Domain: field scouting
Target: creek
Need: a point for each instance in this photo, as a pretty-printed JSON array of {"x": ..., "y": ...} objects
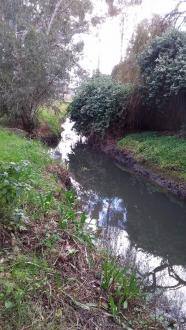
[{"x": 133, "y": 219}]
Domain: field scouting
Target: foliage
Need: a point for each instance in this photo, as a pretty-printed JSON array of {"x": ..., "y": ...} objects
[
  {"x": 33, "y": 281},
  {"x": 122, "y": 286},
  {"x": 22, "y": 166},
  {"x": 167, "y": 153},
  {"x": 51, "y": 116},
  {"x": 69, "y": 218},
  {"x": 100, "y": 105},
  {"x": 163, "y": 68},
  {"x": 13, "y": 183},
  {"x": 37, "y": 53},
  {"x": 115, "y": 7},
  {"x": 128, "y": 71}
]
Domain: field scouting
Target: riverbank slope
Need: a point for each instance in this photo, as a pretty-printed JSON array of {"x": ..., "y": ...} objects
[
  {"x": 47, "y": 128},
  {"x": 51, "y": 276}
]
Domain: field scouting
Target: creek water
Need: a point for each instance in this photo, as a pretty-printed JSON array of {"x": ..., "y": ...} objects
[{"x": 134, "y": 218}]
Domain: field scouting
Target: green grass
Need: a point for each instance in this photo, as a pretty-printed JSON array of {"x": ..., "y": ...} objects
[
  {"x": 25, "y": 188},
  {"x": 165, "y": 153},
  {"x": 52, "y": 116},
  {"x": 15, "y": 148}
]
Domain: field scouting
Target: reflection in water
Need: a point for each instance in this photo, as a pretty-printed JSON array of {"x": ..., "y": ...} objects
[
  {"x": 137, "y": 220},
  {"x": 153, "y": 221}
]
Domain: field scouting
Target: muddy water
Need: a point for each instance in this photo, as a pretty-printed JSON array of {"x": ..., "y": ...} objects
[{"x": 134, "y": 218}]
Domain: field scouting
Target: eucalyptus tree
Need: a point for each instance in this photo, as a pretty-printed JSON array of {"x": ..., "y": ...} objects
[
  {"x": 117, "y": 6},
  {"x": 120, "y": 8},
  {"x": 38, "y": 49},
  {"x": 128, "y": 70}
]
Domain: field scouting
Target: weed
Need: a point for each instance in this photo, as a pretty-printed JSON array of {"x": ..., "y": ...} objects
[
  {"x": 70, "y": 219},
  {"x": 13, "y": 183},
  {"x": 122, "y": 287},
  {"x": 27, "y": 277},
  {"x": 46, "y": 202},
  {"x": 51, "y": 240}
]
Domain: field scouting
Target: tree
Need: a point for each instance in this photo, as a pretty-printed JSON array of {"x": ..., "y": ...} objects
[
  {"x": 163, "y": 68},
  {"x": 177, "y": 16},
  {"x": 117, "y": 6},
  {"x": 128, "y": 70},
  {"x": 37, "y": 50}
]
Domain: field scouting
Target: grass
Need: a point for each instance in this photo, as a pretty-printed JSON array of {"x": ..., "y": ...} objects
[
  {"x": 51, "y": 276},
  {"x": 52, "y": 116},
  {"x": 15, "y": 148},
  {"x": 164, "y": 153}
]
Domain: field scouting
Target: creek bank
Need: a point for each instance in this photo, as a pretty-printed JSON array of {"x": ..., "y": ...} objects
[
  {"x": 46, "y": 136},
  {"x": 50, "y": 273},
  {"x": 126, "y": 159},
  {"x": 47, "y": 127}
]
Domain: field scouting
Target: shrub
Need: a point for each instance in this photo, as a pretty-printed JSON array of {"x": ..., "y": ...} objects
[
  {"x": 100, "y": 106},
  {"x": 163, "y": 68}
]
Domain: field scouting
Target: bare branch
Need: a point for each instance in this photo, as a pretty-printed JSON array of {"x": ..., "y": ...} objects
[{"x": 58, "y": 4}]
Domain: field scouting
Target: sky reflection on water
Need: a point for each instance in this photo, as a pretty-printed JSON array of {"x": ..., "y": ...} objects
[{"x": 135, "y": 219}]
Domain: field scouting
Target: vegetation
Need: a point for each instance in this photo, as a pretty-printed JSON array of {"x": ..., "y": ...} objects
[
  {"x": 165, "y": 153},
  {"x": 46, "y": 254},
  {"x": 163, "y": 68},
  {"x": 52, "y": 116},
  {"x": 51, "y": 276},
  {"x": 37, "y": 53},
  {"x": 128, "y": 71},
  {"x": 99, "y": 106},
  {"x": 50, "y": 119},
  {"x": 152, "y": 95},
  {"x": 122, "y": 287}
]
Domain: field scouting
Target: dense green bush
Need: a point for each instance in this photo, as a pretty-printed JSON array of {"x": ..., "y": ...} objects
[
  {"x": 100, "y": 106},
  {"x": 163, "y": 68}
]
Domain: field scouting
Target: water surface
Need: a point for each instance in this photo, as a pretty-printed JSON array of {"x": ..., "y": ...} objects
[{"x": 135, "y": 218}]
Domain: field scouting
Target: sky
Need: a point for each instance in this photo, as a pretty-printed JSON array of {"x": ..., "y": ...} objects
[{"x": 106, "y": 49}]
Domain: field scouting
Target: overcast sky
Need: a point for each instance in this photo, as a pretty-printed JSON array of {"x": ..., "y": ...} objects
[{"x": 108, "y": 46}]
